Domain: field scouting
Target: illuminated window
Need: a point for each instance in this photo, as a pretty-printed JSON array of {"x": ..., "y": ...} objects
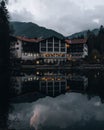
[
  {"x": 37, "y": 62},
  {"x": 25, "y": 54}
]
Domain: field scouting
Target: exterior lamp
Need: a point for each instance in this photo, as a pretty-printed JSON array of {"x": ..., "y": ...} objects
[
  {"x": 95, "y": 57},
  {"x": 67, "y": 45},
  {"x": 37, "y": 62},
  {"x": 37, "y": 72}
]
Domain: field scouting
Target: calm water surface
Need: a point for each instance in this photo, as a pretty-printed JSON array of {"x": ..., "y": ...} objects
[{"x": 57, "y": 100}]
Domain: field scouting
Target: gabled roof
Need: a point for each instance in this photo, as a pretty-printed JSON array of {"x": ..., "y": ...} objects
[
  {"x": 76, "y": 41},
  {"x": 36, "y": 40}
]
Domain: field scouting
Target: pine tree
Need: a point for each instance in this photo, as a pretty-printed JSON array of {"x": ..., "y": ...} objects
[
  {"x": 4, "y": 64},
  {"x": 4, "y": 36},
  {"x": 101, "y": 40},
  {"x": 91, "y": 42}
]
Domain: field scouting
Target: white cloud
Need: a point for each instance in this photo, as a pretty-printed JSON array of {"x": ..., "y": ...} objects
[
  {"x": 65, "y": 16},
  {"x": 96, "y": 21}
]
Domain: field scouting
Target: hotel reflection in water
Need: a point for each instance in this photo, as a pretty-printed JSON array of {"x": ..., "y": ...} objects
[{"x": 49, "y": 83}]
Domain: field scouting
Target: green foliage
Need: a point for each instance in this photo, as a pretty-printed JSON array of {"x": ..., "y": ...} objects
[
  {"x": 32, "y": 30},
  {"x": 95, "y": 54},
  {"x": 96, "y": 42},
  {"x": 83, "y": 34},
  {"x": 4, "y": 34}
]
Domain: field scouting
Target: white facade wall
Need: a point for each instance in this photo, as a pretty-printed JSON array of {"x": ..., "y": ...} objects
[
  {"x": 85, "y": 50},
  {"x": 29, "y": 56},
  {"x": 22, "y": 55},
  {"x": 18, "y": 49}
]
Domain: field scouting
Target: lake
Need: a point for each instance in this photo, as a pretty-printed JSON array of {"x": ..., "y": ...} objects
[{"x": 55, "y": 100}]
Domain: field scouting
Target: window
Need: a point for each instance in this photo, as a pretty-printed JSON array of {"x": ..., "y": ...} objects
[
  {"x": 50, "y": 44},
  {"x": 43, "y": 49},
  {"x": 50, "y": 83},
  {"x": 43, "y": 84},
  {"x": 62, "y": 44},
  {"x": 50, "y": 49},
  {"x": 43, "y": 44},
  {"x": 56, "y": 49},
  {"x": 62, "y": 83},
  {"x": 56, "y": 83},
  {"x": 56, "y": 44},
  {"x": 62, "y": 49}
]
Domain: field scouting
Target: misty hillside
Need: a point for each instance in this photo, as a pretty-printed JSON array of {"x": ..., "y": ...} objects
[
  {"x": 32, "y": 30},
  {"x": 83, "y": 33}
]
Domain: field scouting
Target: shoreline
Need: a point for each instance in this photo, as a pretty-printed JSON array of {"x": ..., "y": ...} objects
[{"x": 70, "y": 67}]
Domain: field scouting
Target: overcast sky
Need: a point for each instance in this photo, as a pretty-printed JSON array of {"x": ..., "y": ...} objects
[{"x": 64, "y": 16}]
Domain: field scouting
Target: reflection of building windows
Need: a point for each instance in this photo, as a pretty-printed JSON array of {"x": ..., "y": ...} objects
[
  {"x": 62, "y": 83},
  {"x": 56, "y": 87},
  {"x": 50, "y": 88},
  {"x": 43, "y": 83},
  {"x": 50, "y": 84},
  {"x": 57, "y": 84}
]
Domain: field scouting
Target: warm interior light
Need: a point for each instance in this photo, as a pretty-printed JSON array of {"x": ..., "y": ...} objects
[
  {"x": 37, "y": 72},
  {"x": 37, "y": 62}
]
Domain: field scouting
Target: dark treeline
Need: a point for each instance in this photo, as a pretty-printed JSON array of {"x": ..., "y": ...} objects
[
  {"x": 96, "y": 44},
  {"x": 4, "y": 64}
]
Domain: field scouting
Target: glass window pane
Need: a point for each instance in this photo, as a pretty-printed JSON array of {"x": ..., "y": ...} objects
[
  {"x": 56, "y": 44},
  {"x": 50, "y": 49},
  {"x": 62, "y": 44},
  {"x": 50, "y": 44},
  {"x": 56, "y": 49},
  {"x": 43, "y": 49},
  {"x": 62, "y": 49},
  {"x": 43, "y": 44}
]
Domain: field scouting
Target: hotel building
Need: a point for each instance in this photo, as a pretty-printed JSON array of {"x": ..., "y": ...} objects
[
  {"x": 52, "y": 50},
  {"x": 25, "y": 48},
  {"x": 77, "y": 48}
]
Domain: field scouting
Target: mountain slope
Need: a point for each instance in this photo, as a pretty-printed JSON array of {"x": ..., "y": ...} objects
[
  {"x": 83, "y": 33},
  {"x": 32, "y": 30}
]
